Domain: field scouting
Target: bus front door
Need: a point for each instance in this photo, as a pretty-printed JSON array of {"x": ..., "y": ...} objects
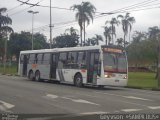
[
  {"x": 53, "y": 66},
  {"x": 25, "y": 59},
  {"x": 92, "y": 67}
]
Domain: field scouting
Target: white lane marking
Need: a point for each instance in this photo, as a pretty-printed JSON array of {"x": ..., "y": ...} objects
[
  {"x": 93, "y": 113},
  {"x": 80, "y": 101},
  {"x": 130, "y": 110},
  {"x": 133, "y": 103},
  {"x": 138, "y": 98},
  {"x": 6, "y": 105},
  {"x": 154, "y": 107},
  {"x": 52, "y": 96},
  {"x": 130, "y": 97}
]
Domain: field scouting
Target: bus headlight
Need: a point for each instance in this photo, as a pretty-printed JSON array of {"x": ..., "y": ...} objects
[
  {"x": 125, "y": 77},
  {"x": 106, "y": 76}
]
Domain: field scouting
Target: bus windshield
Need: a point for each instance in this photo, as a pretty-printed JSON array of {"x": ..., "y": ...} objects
[{"x": 114, "y": 62}]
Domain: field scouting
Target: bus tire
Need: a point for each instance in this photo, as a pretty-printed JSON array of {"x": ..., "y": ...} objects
[
  {"x": 78, "y": 81},
  {"x": 37, "y": 76},
  {"x": 30, "y": 75},
  {"x": 101, "y": 86}
]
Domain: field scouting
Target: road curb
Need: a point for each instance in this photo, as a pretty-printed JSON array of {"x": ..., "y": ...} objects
[
  {"x": 8, "y": 74},
  {"x": 141, "y": 88}
]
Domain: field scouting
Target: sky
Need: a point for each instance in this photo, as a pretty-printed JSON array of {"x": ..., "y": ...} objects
[{"x": 145, "y": 12}]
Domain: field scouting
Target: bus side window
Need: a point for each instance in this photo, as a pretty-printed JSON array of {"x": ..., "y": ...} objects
[
  {"x": 46, "y": 58},
  {"x": 32, "y": 59},
  {"x": 39, "y": 58},
  {"x": 62, "y": 60},
  {"x": 72, "y": 60},
  {"x": 81, "y": 59}
]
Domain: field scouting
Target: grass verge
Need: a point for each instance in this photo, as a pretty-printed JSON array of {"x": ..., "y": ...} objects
[
  {"x": 142, "y": 80},
  {"x": 8, "y": 70}
]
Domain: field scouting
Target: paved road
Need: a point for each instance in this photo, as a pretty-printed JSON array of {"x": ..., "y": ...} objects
[{"x": 19, "y": 95}]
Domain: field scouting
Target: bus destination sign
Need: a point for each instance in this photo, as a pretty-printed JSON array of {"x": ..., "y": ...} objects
[{"x": 112, "y": 50}]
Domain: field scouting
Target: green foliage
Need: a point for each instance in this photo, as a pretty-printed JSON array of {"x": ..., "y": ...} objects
[
  {"x": 40, "y": 42},
  {"x": 2, "y": 41},
  {"x": 22, "y": 41},
  {"x": 66, "y": 40},
  {"x": 4, "y": 22}
]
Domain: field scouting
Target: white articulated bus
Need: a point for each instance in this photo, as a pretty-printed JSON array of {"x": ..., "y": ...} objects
[{"x": 89, "y": 65}]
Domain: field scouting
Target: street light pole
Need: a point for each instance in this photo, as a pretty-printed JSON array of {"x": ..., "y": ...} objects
[
  {"x": 50, "y": 24},
  {"x": 32, "y": 12}
]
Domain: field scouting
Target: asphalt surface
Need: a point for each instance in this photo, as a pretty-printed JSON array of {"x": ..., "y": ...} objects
[{"x": 19, "y": 95}]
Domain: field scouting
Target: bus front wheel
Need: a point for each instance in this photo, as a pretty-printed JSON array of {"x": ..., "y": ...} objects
[{"x": 78, "y": 80}]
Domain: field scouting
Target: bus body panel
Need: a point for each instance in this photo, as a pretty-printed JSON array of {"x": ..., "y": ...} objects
[
  {"x": 43, "y": 69},
  {"x": 67, "y": 75}
]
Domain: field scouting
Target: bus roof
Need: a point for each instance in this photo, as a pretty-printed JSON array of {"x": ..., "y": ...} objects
[
  {"x": 61, "y": 49},
  {"x": 97, "y": 47}
]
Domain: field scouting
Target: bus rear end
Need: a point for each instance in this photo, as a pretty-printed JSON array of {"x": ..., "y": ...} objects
[{"x": 114, "y": 66}]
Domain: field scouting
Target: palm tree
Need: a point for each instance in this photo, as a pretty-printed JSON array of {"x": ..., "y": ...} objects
[
  {"x": 88, "y": 42},
  {"x": 113, "y": 22},
  {"x": 107, "y": 34},
  {"x": 4, "y": 22},
  {"x": 120, "y": 41},
  {"x": 153, "y": 32},
  {"x": 85, "y": 13},
  {"x": 72, "y": 31},
  {"x": 97, "y": 39},
  {"x": 4, "y": 28},
  {"x": 126, "y": 22}
]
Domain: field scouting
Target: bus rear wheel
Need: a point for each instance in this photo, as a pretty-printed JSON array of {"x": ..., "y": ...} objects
[
  {"x": 30, "y": 75},
  {"x": 78, "y": 80},
  {"x": 37, "y": 76}
]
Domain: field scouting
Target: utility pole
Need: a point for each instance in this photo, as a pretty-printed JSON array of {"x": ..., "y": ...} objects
[
  {"x": 33, "y": 13},
  {"x": 50, "y": 24},
  {"x": 159, "y": 61}
]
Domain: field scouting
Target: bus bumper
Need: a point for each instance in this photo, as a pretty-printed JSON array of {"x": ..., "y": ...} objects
[{"x": 112, "y": 82}]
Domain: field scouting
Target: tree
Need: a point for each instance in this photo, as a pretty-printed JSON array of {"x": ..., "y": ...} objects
[
  {"x": 66, "y": 40},
  {"x": 95, "y": 40},
  {"x": 113, "y": 22},
  {"x": 139, "y": 36},
  {"x": 85, "y": 12},
  {"x": 107, "y": 34},
  {"x": 72, "y": 31},
  {"x": 154, "y": 33},
  {"x": 40, "y": 41},
  {"x": 4, "y": 22},
  {"x": 126, "y": 22},
  {"x": 88, "y": 42},
  {"x": 22, "y": 41},
  {"x": 4, "y": 30},
  {"x": 120, "y": 41},
  {"x": 19, "y": 42}
]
